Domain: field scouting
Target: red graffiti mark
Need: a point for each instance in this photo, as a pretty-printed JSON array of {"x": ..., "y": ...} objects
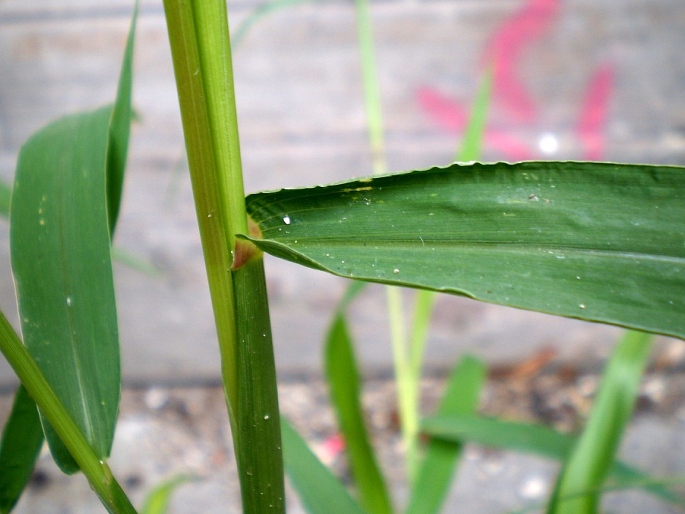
[
  {"x": 504, "y": 51},
  {"x": 451, "y": 116},
  {"x": 447, "y": 114},
  {"x": 511, "y": 146},
  {"x": 594, "y": 113}
]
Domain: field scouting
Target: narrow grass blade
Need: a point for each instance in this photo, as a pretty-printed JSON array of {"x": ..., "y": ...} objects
[
  {"x": 119, "y": 130},
  {"x": 5, "y": 195},
  {"x": 472, "y": 142},
  {"x": 645, "y": 483},
  {"x": 594, "y": 241},
  {"x": 438, "y": 466},
  {"x": 318, "y": 489},
  {"x": 60, "y": 249},
  {"x": 22, "y": 439},
  {"x": 158, "y": 500},
  {"x": 588, "y": 466},
  {"x": 136, "y": 262},
  {"x": 521, "y": 437},
  {"x": 526, "y": 438},
  {"x": 344, "y": 384},
  {"x": 257, "y": 14}
]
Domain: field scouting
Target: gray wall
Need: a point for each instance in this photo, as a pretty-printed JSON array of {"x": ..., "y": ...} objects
[{"x": 302, "y": 122}]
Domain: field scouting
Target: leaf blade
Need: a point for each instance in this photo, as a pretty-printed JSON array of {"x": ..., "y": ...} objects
[
  {"x": 22, "y": 439},
  {"x": 345, "y": 390},
  {"x": 589, "y": 464},
  {"x": 66, "y": 197},
  {"x": 158, "y": 500},
  {"x": 73, "y": 338},
  {"x": 594, "y": 241},
  {"x": 527, "y": 438},
  {"x": 435, "y": 474},
  {"x": 120, "y": 129},
  {"x": 319, "y": 490}
]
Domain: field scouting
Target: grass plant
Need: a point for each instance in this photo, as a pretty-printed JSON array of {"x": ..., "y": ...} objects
[{"x": 555, "y": 237}]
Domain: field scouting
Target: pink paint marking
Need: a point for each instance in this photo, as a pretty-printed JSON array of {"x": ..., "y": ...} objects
[
  {"x": 513, "y": 148},
  {"x": 450, "y": 115},
  {"x": 504, "y": 51},
  {"x": 334, "y": 445},
  {"x": 506, "y": 47},
  {"x": 594, "y": 113},
  {"x": 445, "y": 112}
]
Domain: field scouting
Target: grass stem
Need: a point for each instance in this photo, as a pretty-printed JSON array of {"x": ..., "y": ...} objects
[
  {"x": 201, "y": 51},
  {"x": 96, "y": 471}
]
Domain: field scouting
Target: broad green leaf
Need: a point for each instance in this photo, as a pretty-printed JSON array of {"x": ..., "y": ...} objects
[
  {"x": 157, "y": 501},
  {"x": 22, "y": 439},
  {"x": 595, "y": 241},
  {"x": 60, "y": 250},
  {"x": 590, "y": 462},
  {"x": 318, "y": 489},
  {"x": 438, "y": 466},
  {"x": 526, "y": 438},
  {"x": 344, "y": 383}
]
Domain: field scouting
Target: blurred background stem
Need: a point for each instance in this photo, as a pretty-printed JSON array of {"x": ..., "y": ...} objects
[{"x": 408, "y": 350}]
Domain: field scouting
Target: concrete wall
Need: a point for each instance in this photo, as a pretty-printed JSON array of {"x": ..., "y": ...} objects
[{"x": 302, "y": 122}]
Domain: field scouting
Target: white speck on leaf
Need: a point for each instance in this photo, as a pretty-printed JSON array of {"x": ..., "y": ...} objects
[{"x": 286, "y": 219}]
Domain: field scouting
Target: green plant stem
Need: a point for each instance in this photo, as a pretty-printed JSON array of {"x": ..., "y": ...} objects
[
  {"x": 249, "y": 21},
  {"x": 201, "y": 51},
  {"x": 96, "y": 471},
  {"x": 372, "y": 97},
  {"x": 406, "y": 384},
  {"x": 206, "y": 176},
  {"x": 259, "y": 455},
  {"x": 590, "y": 463}
]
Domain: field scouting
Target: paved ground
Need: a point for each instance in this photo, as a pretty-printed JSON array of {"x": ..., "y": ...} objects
[{"x": 165, "y": 432}]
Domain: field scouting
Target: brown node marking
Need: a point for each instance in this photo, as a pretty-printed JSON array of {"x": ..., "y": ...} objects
[{"x": 246, "y": 250}]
